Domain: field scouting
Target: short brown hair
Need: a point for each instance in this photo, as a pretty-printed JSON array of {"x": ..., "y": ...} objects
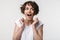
[{"x": 33, "y": 4}]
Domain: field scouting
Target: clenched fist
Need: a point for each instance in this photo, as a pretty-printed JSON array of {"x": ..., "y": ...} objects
[
  {"x": 22, "y": 23},
  {"x": 35, "y": 21}
]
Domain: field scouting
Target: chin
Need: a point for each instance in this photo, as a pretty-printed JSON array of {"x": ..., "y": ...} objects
[{"x": 29, "y": 19}]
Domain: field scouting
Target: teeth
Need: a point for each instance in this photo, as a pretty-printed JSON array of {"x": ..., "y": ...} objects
[{"x": 28, "y": 14}]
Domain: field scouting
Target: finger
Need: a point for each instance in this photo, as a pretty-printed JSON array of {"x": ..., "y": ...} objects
[
  {"x": 36, "y": 19},
  {"x": 21, "y": 20}
]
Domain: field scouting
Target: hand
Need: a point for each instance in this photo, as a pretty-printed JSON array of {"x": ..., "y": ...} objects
[
  {"x": 22, "y": 23},
  {"x": 35, "y": 21}
]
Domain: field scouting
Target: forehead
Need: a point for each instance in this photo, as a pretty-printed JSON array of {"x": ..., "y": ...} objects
[{"x": 28, "y": 5}]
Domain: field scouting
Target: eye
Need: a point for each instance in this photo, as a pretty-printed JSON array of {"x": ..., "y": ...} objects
[
  {"x": 26, "y": 8},
  {"x": 32, "y": 8}
]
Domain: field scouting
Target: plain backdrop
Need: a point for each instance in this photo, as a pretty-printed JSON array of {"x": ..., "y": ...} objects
[{"x": 49, "y": 14}]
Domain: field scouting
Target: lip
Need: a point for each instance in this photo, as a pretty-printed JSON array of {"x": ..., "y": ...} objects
[{"x": 29, "y": 14}]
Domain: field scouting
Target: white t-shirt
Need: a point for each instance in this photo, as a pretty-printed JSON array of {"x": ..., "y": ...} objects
[{"x": 28, "y": 31}]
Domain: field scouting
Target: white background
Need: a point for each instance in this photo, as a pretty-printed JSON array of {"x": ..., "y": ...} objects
[{"x": 49, "y": 14}]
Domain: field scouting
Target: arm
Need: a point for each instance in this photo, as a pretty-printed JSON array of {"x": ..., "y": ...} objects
[
  {"x": 17, "y": 32},
  {"x": 38, "y": 34}
]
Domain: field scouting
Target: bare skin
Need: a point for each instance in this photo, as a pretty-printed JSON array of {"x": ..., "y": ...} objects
[
  {"x": 38, "y": 34},
  {"x": 18, "y": 31}
]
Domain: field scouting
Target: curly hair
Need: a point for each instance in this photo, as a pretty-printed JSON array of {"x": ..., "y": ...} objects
[{"x": 33, "y": 4}]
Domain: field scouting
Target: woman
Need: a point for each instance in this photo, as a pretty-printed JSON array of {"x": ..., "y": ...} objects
[{"x": 29, "y": 29}]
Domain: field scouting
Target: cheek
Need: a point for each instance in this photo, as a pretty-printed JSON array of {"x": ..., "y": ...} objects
[
  {"x": 25, "y": 12},
  {"x": 32, "y": 12}
]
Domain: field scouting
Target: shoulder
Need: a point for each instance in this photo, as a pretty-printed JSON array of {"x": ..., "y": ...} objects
[{"x": 39, "y": 24}]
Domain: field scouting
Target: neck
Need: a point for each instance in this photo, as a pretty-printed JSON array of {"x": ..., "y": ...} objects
[{"x": 28, "y": 22}]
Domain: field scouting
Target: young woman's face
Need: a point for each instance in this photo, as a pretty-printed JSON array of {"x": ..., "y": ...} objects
[{"x": 29, "y": 12}]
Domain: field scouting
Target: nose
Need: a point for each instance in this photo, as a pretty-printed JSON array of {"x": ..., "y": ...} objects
[{"x": 29, "y": 10}]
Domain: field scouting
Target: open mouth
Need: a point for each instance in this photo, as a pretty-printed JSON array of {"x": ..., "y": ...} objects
[{"x": 29, "y": 14}]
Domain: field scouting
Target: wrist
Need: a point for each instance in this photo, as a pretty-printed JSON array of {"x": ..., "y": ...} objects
[{"x": 33, "y": 26}]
